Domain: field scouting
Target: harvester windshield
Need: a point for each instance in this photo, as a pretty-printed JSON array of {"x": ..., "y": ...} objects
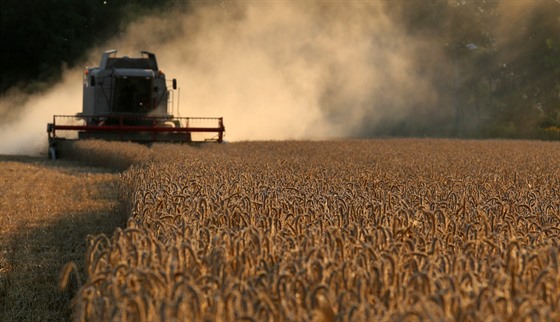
[{"x": 132, "y": 95}]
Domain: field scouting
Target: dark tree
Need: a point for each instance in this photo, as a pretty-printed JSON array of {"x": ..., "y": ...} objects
[{"x": 38, "y": 37}]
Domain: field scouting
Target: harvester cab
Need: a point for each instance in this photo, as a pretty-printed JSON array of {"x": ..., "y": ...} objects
[{"x": 128, "y": 99}]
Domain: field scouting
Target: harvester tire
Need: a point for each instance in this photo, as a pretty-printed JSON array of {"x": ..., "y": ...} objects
[{"x": 52, "y": 153}]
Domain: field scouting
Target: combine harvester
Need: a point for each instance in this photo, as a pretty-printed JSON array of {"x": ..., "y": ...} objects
[{"x": 128, "y": 99}]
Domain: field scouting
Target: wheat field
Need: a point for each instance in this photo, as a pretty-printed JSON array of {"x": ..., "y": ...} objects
[{"x": 350, "y": 230}]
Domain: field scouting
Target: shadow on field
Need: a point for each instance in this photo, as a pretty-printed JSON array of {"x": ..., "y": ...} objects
[
  {"x": 38, "y": 245},
  {"x": 31, "y": 290}
]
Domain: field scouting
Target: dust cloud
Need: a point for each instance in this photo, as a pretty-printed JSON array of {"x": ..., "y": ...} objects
[
  {"x": 287, "y": 69},
  {"x": 25, "y": 132},
  {"x": 274, "y": 70}
]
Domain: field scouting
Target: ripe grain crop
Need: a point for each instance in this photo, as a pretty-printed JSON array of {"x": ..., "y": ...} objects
[{"x": 352, "y": 230}]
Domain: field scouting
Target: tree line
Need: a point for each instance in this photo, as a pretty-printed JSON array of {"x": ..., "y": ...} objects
[
  {"x": 505, "y": 61},
  {"x": 39, "y": 37}
]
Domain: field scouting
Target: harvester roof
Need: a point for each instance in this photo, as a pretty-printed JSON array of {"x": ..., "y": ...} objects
[
  {"x": 110, "y": 61},
  {"x": 130, "y": 63}
]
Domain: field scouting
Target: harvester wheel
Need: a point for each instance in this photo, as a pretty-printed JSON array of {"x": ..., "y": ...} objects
[{"x": 52, "y": 153}]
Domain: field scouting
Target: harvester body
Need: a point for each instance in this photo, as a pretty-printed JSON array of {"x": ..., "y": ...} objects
[
  {"x": 128, "y": 99},
  {"x": 125, "y": 86}
]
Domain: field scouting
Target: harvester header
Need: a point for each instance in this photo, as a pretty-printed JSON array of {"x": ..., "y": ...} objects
[{"x": 128, "y": 99}]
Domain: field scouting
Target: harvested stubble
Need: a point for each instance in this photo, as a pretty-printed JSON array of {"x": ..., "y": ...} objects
[
  {"x": 46, "y": 211},
  {"x": 113, "y": 155},
  {"x": 380, "y": 230}
]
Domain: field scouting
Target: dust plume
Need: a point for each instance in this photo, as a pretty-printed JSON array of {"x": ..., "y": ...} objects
[
  {"x": 291, "y": 70},
  {"x": 23, "y": 123},
  {"x": 273, "y": 70}
]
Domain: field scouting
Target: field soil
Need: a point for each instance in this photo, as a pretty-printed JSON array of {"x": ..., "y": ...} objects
[{"x": 47, "y": 211}]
